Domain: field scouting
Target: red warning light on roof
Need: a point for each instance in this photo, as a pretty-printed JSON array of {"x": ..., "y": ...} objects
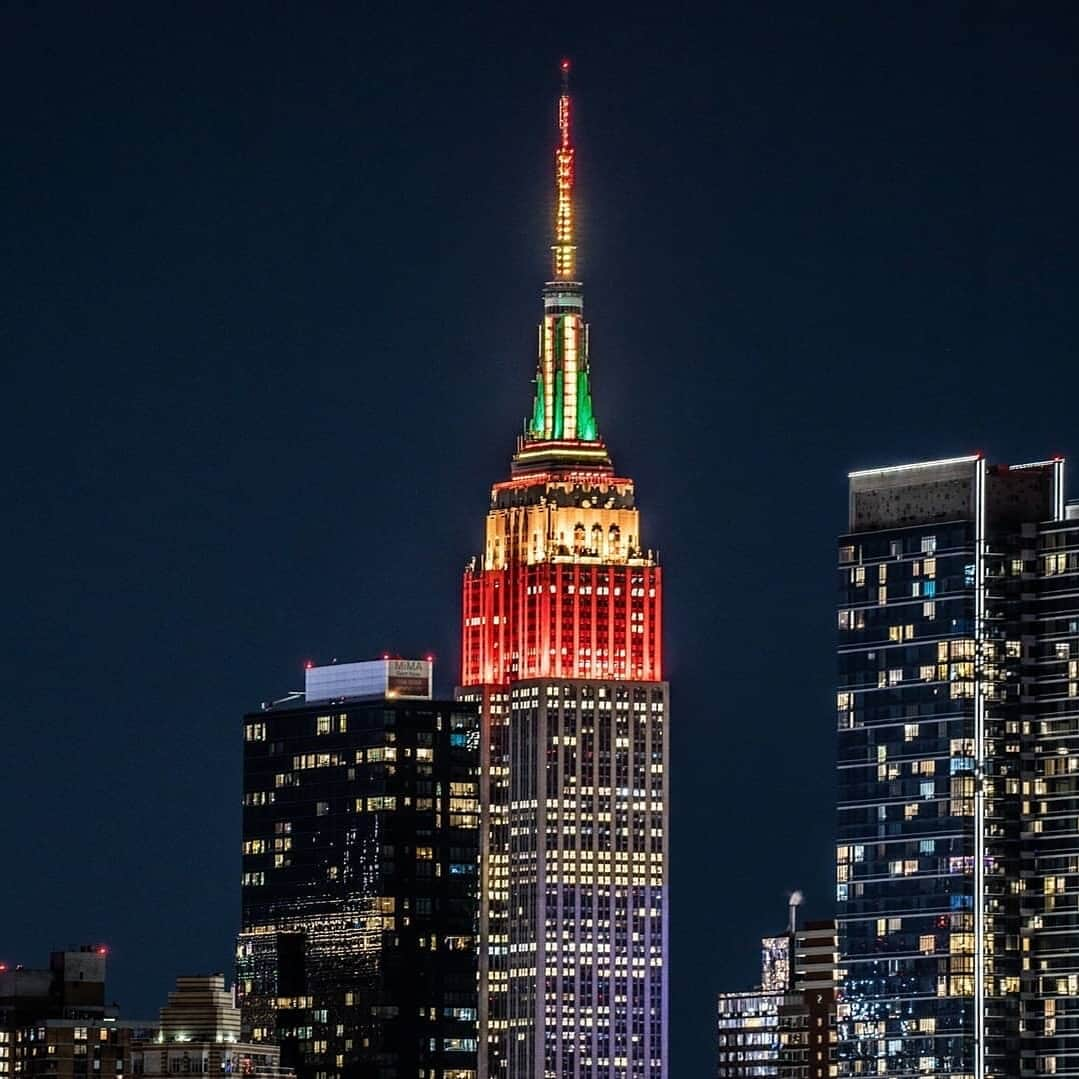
[
  {"x": 308, "y": 664},
  {"x": 102, "y": 950},
  {"x": 430, "y": 657},
  {"x": 565, "y": 65}
]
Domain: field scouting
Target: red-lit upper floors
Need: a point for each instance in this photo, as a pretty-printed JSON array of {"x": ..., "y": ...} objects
[{"x": 563, "y": 618}]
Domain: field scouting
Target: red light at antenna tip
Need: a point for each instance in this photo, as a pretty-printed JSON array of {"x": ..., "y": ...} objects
[{"x": 565, "y": 65}]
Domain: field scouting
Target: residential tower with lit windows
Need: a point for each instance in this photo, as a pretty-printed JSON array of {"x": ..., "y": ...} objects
[
  {"x": 958, "y": 815},
  {"x": 562, "y": 650},
  {"x": 357, "y": 952}
]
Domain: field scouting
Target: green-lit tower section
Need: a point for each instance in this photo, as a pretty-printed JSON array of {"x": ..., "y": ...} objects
[{"x": 562, "y": 409}]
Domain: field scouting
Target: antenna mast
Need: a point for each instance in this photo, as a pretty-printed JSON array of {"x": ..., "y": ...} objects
[{"x": 564, "y": 247}]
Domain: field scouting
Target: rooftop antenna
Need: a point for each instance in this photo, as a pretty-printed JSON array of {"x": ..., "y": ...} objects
[
  {"x": 793, "y": 904},
  {"x": 564, "y": 247}
]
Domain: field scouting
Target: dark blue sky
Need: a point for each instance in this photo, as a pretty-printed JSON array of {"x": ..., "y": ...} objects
[{"x": 270, "y": 282}]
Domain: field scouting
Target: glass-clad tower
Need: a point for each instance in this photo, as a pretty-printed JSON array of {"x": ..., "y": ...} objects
[
  {"x": 357, "y": 950},
  {"x": 958, "y": 840},
  {"x": 562, "y": 649},
  {"x": 1051, "y": 809}
]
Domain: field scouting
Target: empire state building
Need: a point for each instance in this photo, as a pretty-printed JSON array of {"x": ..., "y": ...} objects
[{"x": 562, "y": 648}]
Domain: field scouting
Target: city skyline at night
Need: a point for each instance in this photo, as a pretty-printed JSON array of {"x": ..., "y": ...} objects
[{"x": 270, "y": 322}]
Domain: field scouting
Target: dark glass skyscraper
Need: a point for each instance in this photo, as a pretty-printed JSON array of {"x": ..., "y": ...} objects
[
  {"x": 958, "y": 834},
  {"x": 360, "y": 863}
]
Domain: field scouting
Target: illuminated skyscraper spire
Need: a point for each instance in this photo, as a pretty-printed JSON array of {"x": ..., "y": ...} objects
[
  {"x": 562, "y": 649},
  {"x": 565, "y": 251},
  {"x": 562, "y": 407}
]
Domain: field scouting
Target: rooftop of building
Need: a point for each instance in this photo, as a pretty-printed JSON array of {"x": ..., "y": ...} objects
[
  {"x": 200, "y": 1009},
  {"x": 69, "y": 993},
  {"x": 967, "y": 488},
  {"x": 387, "y": 678}
]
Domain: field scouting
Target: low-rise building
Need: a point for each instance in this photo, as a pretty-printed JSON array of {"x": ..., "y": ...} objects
[
  {"x": 55, "y": 1023},
  {"x": 200, "y": 1035}
]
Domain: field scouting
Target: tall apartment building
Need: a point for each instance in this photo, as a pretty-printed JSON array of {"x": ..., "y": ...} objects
[
  {"x": 357, "y": 952},
  {"x": 55, "y": 1022},
  {"x": 786, "y": 1026},
  {"x": 958, "y": 816},
  {"x": 562, "y": 651}
]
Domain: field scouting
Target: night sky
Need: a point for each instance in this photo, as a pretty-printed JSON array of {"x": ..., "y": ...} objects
[{"x": 270, "y": 281}]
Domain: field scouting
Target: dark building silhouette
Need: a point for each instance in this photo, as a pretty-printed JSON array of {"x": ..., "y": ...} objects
[
  {"x": 357, "y": 952},
  {"x": 55, "y": 1023}
]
